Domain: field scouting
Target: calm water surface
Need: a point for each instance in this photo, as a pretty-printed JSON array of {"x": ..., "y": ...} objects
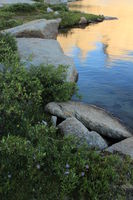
[{"x": 103, "y": 55}]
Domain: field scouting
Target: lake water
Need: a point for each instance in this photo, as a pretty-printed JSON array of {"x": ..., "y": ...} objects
[{"x": 103, "y": 55}]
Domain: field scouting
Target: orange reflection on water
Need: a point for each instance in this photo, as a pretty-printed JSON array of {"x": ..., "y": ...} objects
[{"x": 116, "y": 35}]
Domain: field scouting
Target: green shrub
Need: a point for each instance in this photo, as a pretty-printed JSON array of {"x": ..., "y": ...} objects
[
  {"x": 53, "y": 80},
  {"x": 20, "y": 7},
  {"x": 5, "y": 24},
  {"x": 6, "y": 15},
  {"x": 30, "y": 167},
  {"x": 72, "y": 18},
  {"x": 8, "y": 50},
  {"x": 24, "y": 92}
]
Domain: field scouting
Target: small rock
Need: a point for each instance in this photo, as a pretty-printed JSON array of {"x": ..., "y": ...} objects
[
  {"x": 53, "y": 2},
  {"x": 54, "y": 120},
  {"x": 49, "y": 10},
  {"x": 124, "y": 147},
  {"x": 83, "y": 20},
  {"x": 71, "y": 126}
]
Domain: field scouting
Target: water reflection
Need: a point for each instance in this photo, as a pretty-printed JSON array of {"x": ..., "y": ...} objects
[
  {"x": 117, "y": 36},
  {"x": 103, "y": 54}
]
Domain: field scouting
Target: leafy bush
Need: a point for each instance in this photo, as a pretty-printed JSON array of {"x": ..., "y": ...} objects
[
  {"x": 19, "y": 7},
  {"x": 55, "y": 87},
  {"x": 30, "y": 167},
  {"x": 8, "y": 50},
  {"x": 25, "y": 92}
]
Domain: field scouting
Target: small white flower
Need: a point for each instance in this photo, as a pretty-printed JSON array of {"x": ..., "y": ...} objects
[
  {"x": 87, "y": 167},
  {"x": 38, "y": 166},
  {"x": 45, "y": 123},
  {"x": 67, "y": 166},
  {"x": 82, "y": 173},
  {"x": 9, "y": 176},
  {"x": 66, "y": 173}
]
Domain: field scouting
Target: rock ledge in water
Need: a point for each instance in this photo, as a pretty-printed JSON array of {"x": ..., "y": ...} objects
[
  {"x": 72, "y": 126},
  {"x": 94, "y": 118}
]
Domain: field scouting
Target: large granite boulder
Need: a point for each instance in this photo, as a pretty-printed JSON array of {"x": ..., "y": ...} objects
[
  {"x": 41, "y": 28},
  {"x": 94, "y": 118},
  {"x": 72, "y": 126},
  {"x": 4, "y": 2},
  {"x": 124, "y": 147},
  {"x": 43, "y": 51}
]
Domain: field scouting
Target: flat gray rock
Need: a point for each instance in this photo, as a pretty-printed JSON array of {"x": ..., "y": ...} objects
[
  {"x": 110, "y": 18},
  {"x": 124, "y": 147},
  {"x": 42, "y": 28},
  {"x": 36, "y": 51},
  {"x": 52, "y": 2},
  {"x": 72, "y": 126},
  {"x": 94, "y": 118},
  {"x": 4, "y": 2}
]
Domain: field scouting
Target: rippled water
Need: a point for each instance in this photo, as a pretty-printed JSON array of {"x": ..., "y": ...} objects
[{"x": 103, "y": 55}]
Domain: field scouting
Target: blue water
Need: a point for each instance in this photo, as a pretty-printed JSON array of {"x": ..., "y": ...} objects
[
  {"x": 110, "y": 88},
  {"x": 103, "y": 56}
]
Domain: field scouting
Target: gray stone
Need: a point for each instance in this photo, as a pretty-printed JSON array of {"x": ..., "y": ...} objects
[
  {"x": 54, "y": 120},
  {"x": 83, "y": 20},
  {"x": 124, "y": 147},
  {"x": 42, "y": 28},
  {"x": 4, "y": 2},
  {"x": 43, "y": 51},
  {"x": 94, "y": 118},
  {"x": 110, "y": 18},
  {"x": 52, "y": 2},
  {"x": 72, "y": 126}
]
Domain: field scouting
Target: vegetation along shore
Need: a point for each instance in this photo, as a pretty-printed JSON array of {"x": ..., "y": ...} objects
[{"x": 52, "y": 147}]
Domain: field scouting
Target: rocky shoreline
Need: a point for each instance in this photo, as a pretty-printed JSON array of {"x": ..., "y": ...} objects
[
  {"x": 37, "y": 44},
  {"x": 93, "y": 125}
]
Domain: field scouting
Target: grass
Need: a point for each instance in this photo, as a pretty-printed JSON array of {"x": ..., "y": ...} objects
[{"x": 16, "y": 14}]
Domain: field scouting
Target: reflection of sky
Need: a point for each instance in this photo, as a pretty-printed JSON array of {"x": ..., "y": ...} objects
[
  {"x": 111, "y": 88},
  {"x": 103, "y": 55},
  {"x": 116, "y": 35}
]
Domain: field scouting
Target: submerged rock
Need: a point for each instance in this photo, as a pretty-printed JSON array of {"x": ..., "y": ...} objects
[
  {"x": 94, "y": 118},
  {"x": 42, "y": 28},
  {"x": 36, "y": 51},
  {"x": 72, "y": 126},
  {"x": 124, "y": 147}
]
